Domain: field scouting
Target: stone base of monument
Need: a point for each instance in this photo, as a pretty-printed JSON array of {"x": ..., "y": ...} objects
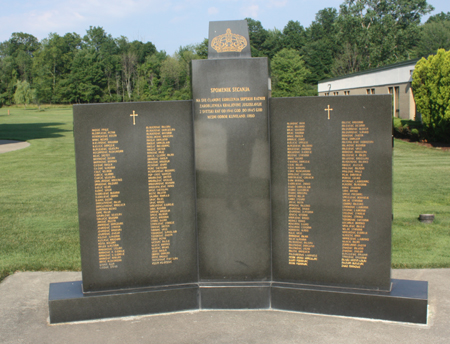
[
  {"x": 67, "y": 302},
  {"x": 235, "y": 295},
  {"x": 406, "y": 302}
]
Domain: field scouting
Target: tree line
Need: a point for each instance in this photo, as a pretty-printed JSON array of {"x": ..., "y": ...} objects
[{"x": 361, "y": 35}]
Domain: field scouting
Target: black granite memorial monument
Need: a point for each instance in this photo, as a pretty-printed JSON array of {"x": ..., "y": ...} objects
[{"x": 235, "y": 200}]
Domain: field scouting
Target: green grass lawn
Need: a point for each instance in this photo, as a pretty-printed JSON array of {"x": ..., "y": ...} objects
[
  {"x": 421, "y": 186},
  {"x": 38, "y": 210}
]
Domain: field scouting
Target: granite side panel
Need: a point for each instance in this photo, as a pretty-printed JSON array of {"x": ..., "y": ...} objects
[
  {"x": 331, "y": 167},
  {"x": 136, "y": 194}
]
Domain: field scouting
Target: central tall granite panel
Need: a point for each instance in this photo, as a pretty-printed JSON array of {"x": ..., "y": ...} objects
[
  {"x": 233, "y": 176},
  {"x": 232, "y": 169}
]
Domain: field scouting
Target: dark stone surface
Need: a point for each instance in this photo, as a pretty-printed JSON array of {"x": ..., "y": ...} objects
[
  {"x": 220, "y": 251},
  {"x": 407, "y": 302},
  {"x": 232, "y": 170},
  {"x": 136, "y": 269},
  {"x": 68, "y": 303},
  {"x": 325, "y": 193},
  {"x": 237, "y": 296},
  {"x": 237, "y": 27}
]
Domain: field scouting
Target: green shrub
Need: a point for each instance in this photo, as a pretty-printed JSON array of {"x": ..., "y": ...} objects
[
  {"x": 431, "y": 85},
  {"x": 415, "y": 135},
  {"x": 407, "y": 129},
  {"x": 397, "y": 122}
]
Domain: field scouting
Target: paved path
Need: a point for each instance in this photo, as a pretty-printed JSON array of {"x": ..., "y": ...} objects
[
  {"x": 10, "y": 145},
  {"x": 24, "y": 319}
]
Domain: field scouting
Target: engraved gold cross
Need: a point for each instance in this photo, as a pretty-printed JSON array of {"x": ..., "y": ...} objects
[
  {"x": 134, "y": 117},
  {"x": 328, "y": 109}
]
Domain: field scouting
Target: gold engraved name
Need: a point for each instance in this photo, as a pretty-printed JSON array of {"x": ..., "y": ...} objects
[
  {"x": 107, "y": 200},
  {"x": 160, "y": 180},
  {"x": 354, "y": 235},
  {"x": 299, "y": 183},
  {"x": 229, "y": 42}
]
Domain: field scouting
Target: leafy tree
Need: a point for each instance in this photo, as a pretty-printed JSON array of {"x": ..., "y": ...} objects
[
  {"x": 440, "y": 17},
  {"x": 132, "y": 56},
  {"x": 142, "y": 50},
  {"x": 104, "y": 44},
  {"x": 320, "y": 46},
  {"x": 150, "y": 75},
  {"x": 324, "y": 25},
  {"x": 273, "y": 43},
  {"x": 379, "y": 32},
  {"x": 8, "y": 79},
  {"x": 431, "y": 85},
  {"x": 257, "y": 35},
  {"x": 171, "y": 70},
  {"x": 129, "y": 69},
  {"x": 364, "y": 34},
  {"x": 16, "y": 56},
  {"x": 21, "y": 46},
  {"x": 348, "y": 61},
  {"x": 319, "y": 58},
  {"x": 294, "y": 36},
  {"x": 24, "y": 94},
  {"x": 111, "y": 67},
  {"x": 434, "y": 35},
  {"x": 52, "y": 66},
  {"x": 185, "y": 55},
  {"x": 95, "y": 38},
  {"x": 201, "y": 49},
  {"x": 86, "y": 80},
  {"x": 289, "y": 74}
]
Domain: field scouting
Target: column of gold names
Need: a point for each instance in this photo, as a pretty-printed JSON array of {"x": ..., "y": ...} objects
[
  {"x": 104, "y": 149},
  {"x": 159, "y": 182},
  {"x": 354, "y": 157},
  {"x": 231, "y": 107},
  {"x": 298, "y": 150}
]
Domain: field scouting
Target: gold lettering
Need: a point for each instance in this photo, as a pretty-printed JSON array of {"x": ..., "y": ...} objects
[
  {"x": 108, "y": 227},
  {"x": 159, "y": 181},
  {"x": 225, "y": 107},
  {"x": 353, "y": 208},
  {"x": 298, "y": 149}
]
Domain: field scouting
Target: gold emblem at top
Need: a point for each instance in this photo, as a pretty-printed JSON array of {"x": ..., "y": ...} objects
[{"x": 228, "y": 42}]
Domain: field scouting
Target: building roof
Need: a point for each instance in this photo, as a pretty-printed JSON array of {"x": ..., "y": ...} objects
[{"x": 397, "y": 73}]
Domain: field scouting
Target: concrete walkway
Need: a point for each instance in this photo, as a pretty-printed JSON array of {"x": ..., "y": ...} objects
[
  {"x": 24, "y": 319},
  {"x": 10, "y": 145}
]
